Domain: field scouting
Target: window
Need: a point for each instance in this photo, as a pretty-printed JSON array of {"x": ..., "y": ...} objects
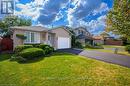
[
  {"x": 7, "y": 7},
  {"x": 79, "y": 32},
  {"x": 82, "y": 32},
  {"x": 27, "y": 34},
  {"x": 49, "y": 37},
  {"x": 32, "y": 37}
]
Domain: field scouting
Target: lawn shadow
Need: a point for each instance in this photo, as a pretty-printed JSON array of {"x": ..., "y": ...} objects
[
  {"x": 31, "y": 60},
  {"x": 5, "y": 56},
  {"x": 34, "y": 60},
  {"x": 71, "y": 50}
]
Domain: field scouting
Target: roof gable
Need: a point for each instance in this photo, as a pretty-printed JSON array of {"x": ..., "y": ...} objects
[{"x": 61, "y": 28}]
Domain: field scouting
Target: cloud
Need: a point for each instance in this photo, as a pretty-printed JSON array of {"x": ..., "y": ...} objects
[
  {"x": 95, "y": 26},
  {"x": 103, "y": 8},
  {"x": 50, "y": 11},
  {"x": 45, "y": 12},
  {"x": 59, "y": 16},
  {"x": 31, "y": 10},
  {"x": 85, "y": 7},
  {"x": 82, "y": 9}
]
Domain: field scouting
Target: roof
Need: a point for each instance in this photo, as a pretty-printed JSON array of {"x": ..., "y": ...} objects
[
  {"x": 32, "y": 28},
  {"x": 62, "y": 27},
  {"x": 81, "y": 28},
  {"x": 83, "y": 37},
  {"x": 98, "y": 38}
]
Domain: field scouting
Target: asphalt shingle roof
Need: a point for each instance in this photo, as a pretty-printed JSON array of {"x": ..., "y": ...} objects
[{"x": 32, "y": 28}]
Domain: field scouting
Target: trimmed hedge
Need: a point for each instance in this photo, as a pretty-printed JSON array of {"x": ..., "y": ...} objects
[
  {"x": 19, "y": 48},
  {"x": 48, "y": 49},
  {"x": 21, "y": 36},
  {"x": 34, "y": 45},
  {"x": 98, "y": 46},
  {"x": 31, "y": 53},
  {"x": 127, "y": 48}
]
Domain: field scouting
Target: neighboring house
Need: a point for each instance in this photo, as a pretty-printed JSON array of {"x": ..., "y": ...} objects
[
  {"x": 83, "y": 35},
  {"x": 112, "y": 41},
  {"x": 98, "y": 40},
  {"x": 59, "y": 38}
]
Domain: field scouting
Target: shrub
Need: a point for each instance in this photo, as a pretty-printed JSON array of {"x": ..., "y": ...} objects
[
  {"x": 88, "y": 45},
  {"x": 78, "y": 45},
  {"x": 97, "y": 46},
  {"x": 127, "y": 48},
  {"x": 31, "y": 53},
  {"x": 48, "y": 49},
  {"x": 34, "y": 45},
  {"x": 19, "y": 48}
]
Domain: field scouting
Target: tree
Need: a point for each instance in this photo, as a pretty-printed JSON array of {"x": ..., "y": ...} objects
[
  {"x": 11, "y": 21},
  {"x": 16, "y": 21},
  {"x": 118, "y": 19}
]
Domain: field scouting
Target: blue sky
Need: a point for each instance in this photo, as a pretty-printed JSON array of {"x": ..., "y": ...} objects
[{"x": 74, "y": 13}]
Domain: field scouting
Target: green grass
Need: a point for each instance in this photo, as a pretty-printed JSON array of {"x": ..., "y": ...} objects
[
  {"x": 112, "y": 46},
  {"x": 62, "y": 69}
]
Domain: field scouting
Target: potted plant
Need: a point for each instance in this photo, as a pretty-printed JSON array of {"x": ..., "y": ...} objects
[{"x": 21, "y": 36}]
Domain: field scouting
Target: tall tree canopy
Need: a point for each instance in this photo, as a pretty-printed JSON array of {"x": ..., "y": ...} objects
[
  {"x": 118, "y": 19},
  {"x": 11, "y": 21}
]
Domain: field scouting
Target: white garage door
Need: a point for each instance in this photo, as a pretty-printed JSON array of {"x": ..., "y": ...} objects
[{"x": 63, "y": 42}]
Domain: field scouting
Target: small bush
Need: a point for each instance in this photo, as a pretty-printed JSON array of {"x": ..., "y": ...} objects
[
  {"x": 97, "y": 46},
  {"x": 78, "y": 45},
  {"x": 127, "y": 48},
  {"x": 48, "y": 49},
  {"x": 19, "y": 48},
  {"x": 31, "y": 53},
  {"x": 88, "y": 46},
  {"x": 34, "y": 45},
  {"x": 21, "y": 36}
]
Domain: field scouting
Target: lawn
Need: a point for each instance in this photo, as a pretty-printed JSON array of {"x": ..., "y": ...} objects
[
  {"x": 110, "y": 49},
  {"x": 62, "y": 69}
]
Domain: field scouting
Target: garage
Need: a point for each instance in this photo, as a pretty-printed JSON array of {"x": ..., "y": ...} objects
[{"x": 63, "y": 42}]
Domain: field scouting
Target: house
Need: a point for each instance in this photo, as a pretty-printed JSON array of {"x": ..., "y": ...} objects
[
  {"x": 83, "y": 35},
  {"x": 98, "y": 40},
  {"x": 59, "y": 38}
]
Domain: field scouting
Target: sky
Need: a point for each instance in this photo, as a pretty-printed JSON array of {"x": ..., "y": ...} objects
[{"x": 73, "y": 13}]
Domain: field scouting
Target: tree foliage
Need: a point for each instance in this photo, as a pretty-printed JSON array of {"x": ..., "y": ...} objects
[
  {"x": 11, "y": 21},
  {"x": 118, "y": 19}
]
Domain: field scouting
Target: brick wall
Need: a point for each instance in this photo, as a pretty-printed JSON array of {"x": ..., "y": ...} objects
[{"x": 113, "y": 42}]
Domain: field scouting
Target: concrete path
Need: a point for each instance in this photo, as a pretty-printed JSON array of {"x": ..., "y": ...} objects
[{"x": 106, "y": 57}]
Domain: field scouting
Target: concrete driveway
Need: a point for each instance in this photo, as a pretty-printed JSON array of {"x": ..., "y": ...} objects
[{"x": 102, "y": 56}]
